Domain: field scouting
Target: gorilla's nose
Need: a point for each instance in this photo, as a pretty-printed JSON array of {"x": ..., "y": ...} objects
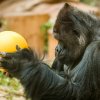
[{"x": 58, "y": 50}]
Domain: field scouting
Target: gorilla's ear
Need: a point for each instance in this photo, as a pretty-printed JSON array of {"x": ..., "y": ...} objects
[{"x": 66, "y": 5}]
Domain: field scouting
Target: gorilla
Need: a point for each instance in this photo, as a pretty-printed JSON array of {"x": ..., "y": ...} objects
[{"x": 75, "y": 72}]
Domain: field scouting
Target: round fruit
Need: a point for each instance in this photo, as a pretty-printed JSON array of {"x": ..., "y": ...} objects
[{"x": 9, "y": 40}]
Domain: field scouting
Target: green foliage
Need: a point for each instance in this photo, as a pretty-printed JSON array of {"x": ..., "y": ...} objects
[
  {"x": 44, "y": 29},
  {"x": 46, "y": 26},
  {"x": 10, "y": 87},
  {"x": 11, "y": 82},
  {"x": 90, "y": 2},
  {"x": 3, "y": 24}
]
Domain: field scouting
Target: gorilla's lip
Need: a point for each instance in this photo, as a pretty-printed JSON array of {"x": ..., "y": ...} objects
[{"x": 60, "y": 57}]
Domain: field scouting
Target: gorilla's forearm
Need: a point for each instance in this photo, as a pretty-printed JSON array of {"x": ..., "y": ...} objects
[{"x": 41, "y": 81}]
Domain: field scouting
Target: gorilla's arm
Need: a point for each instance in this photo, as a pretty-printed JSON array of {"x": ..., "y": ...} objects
[
  {"x": 40, "y": 82},
  {"x": 43, "y": 83},
  {"x": 86, "y": 75}
]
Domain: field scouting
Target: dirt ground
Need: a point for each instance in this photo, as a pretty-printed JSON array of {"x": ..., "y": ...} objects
[{"x": 6, "y": 95}]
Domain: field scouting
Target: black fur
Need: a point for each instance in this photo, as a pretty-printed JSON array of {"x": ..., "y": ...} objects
[{"x": 78, "y": 51}]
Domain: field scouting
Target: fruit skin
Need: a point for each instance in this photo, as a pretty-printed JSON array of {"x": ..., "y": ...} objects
[{"x": 9, "y": 40}]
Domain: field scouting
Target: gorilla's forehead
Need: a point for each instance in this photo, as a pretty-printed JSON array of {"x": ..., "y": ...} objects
[{"x": 69, "y": 13}]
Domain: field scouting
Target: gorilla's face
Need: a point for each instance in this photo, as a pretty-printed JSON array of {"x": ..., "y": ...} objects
[{"x": 72, "y": 33}]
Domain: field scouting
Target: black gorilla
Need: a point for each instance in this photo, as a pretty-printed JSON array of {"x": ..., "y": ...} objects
[{"x": 77, "y": 61}]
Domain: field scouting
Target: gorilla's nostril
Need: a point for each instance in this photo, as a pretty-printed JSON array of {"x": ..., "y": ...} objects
[{"x": 58, "y": 50}]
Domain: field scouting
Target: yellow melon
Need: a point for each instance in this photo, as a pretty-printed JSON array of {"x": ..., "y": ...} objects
[{"x": 9, "y": 40}]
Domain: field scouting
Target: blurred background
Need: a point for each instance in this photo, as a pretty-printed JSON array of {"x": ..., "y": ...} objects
[{"x": 34, "y": 20}]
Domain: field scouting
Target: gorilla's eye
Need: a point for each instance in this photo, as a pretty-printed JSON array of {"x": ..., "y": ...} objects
[{"x": 76, "y": 33}]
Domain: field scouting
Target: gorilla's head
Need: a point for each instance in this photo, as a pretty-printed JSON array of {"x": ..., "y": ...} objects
[{"x": 74, "y": 31}]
